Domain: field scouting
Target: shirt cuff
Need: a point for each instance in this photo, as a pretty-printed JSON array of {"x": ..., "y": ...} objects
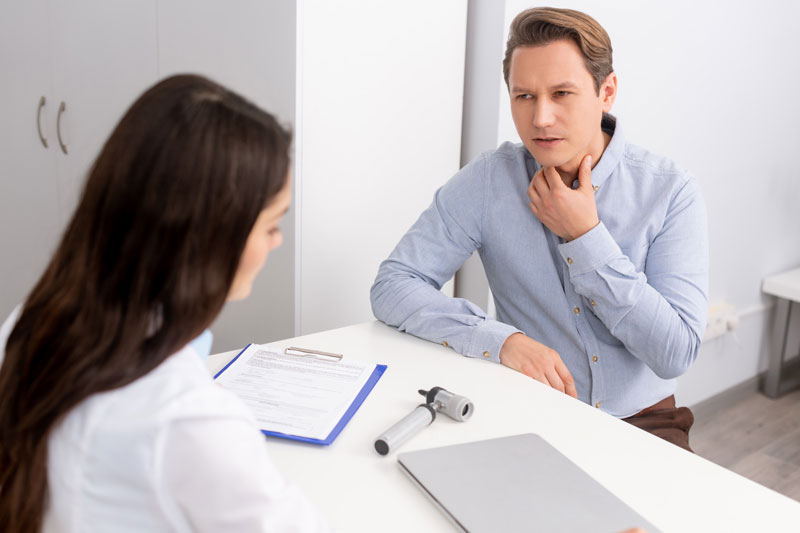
[
  {"x": 589, "y": 251},
  {"x": 488, "y": 339}
]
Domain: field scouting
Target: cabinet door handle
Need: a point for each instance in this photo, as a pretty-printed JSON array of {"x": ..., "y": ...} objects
[
  {"x": 42, "y": 102},
  {"x": 61, "y": 109}
]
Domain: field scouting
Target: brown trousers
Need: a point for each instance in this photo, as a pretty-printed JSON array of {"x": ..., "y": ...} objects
[{"x": 665, "y": 420}]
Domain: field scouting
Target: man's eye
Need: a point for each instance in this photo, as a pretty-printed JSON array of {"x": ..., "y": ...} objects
[
  {"x": 561, "y": 93},
  {"x": 524, "y": 97}
]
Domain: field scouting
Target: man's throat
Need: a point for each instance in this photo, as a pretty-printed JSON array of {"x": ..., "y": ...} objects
[{"x": 568, "y": 175}]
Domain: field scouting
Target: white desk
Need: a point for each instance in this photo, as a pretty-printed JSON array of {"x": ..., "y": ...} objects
[{"x": 358, "y": 490}]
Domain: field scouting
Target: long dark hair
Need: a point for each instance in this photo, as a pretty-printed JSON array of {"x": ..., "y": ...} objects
[{"x": 144, "y": 266}]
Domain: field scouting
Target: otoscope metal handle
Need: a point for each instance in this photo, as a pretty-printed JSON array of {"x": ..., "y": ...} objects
[{"x": 405, "y": 429}]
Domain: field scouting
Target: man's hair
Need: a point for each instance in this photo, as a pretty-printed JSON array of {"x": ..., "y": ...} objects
[{"x": 543, "y": 25}]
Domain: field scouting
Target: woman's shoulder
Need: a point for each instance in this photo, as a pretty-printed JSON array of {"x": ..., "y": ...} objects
[{"x": 136, "y": 416}]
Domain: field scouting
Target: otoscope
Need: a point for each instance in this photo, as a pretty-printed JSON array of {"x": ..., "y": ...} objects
[{"x": 437, "y": 399}]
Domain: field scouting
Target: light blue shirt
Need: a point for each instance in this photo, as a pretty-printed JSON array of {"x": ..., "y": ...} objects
[
  {"x": 202, "y": 344},
  {"x": 632, "y": 292}
]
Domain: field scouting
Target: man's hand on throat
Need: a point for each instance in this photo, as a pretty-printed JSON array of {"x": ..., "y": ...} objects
[{"x": 569, "y": 213}]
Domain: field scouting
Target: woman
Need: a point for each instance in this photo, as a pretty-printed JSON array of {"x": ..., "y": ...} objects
[{"x": 109, "y": 420}]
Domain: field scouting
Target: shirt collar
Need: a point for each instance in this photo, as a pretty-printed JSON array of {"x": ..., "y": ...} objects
[
  {"x": 202, "y": 344},
  {"x": 613, "y": 152}
]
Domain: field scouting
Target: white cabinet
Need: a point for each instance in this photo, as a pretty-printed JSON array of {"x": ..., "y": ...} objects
[
  {"x": 94, "y": 57},
  {"x": 28, "y": 197}
]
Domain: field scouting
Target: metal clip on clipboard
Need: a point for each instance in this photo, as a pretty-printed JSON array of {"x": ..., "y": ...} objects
[{"x": 303, "y": 352}]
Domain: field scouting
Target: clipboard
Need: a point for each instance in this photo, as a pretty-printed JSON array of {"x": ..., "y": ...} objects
[{"x": 366, "y": 388}]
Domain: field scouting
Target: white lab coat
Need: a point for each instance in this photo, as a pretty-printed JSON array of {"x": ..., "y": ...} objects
[{"x": 171, "y": 451}]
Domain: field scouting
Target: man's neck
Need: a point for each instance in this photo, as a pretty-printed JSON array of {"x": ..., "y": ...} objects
[{"x": 569, "y": 171}]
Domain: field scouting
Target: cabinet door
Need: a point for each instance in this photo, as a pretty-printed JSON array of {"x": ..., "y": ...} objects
[
  {"x": 104, "y": 57},
  {"x": 28, "y": 202},
  {"x": 248, "y": 46}
]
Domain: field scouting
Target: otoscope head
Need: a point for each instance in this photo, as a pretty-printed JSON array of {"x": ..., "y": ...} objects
[{"x": 456, "y": 407}]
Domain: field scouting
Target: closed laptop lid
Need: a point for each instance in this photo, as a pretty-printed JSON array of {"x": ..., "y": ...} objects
[{"x": 517, "y": 483}]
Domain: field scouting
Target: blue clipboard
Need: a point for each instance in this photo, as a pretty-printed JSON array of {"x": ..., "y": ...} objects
[{"x": 357, "y": 401}]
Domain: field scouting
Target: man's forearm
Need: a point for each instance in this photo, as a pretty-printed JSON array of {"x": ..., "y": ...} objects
[
  {"x": 406, "y": 301},
  {"x": 406, "y": 291}
]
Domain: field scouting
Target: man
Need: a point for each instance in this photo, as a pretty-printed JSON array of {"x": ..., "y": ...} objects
[{"x": 595, "y": 249}]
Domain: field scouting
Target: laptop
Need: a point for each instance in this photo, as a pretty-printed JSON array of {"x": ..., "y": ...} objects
[{"x": 517, "y": 483}]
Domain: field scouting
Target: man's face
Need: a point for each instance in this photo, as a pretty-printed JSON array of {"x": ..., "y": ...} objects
[{"x": 555, "y": 106}]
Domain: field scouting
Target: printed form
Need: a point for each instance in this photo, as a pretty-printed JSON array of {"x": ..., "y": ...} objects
[{"x": 295, "y": 395}]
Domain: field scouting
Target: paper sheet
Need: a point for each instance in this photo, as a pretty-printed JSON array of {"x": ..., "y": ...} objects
[{"x": 295, "y": 395}]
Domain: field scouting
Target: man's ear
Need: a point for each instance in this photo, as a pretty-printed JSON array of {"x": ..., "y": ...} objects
[{"x": 608, "y": 91}]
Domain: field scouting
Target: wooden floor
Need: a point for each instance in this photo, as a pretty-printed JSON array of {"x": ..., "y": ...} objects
[{"x": 756, "y": 437}]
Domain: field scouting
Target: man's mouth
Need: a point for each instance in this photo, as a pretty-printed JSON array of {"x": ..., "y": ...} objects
[{"x": 547, "y": 142}]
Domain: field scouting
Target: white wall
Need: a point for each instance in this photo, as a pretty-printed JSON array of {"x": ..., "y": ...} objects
[
  {"x": 713, "y": 85},
  {"x": 379, "y": 118}
]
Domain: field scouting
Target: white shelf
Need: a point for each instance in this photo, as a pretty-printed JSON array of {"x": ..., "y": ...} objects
[{"x": 785, "y": 285}]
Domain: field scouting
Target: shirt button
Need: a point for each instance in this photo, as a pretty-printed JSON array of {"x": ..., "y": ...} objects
[
  {"x": 569, "y": 260},
  {"x": 594, "y": 359},
  {"x": 444, "y": 343},
  {"x": 577, "y": 311},
  {"x": 486, "y": 354},
  {"x": 597, "y": 405},
  {"x": 595, "y": 188},
  {"x": 592, "y": 302}
]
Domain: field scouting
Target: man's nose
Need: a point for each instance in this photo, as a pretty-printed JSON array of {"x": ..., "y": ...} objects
[{"x": 544, "y": 114}]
